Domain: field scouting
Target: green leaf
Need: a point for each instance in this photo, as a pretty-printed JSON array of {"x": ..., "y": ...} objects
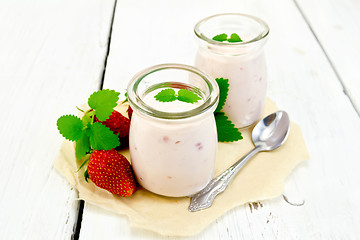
[
  {"x": 79, "y": 109},
  {"x": 70, "y": 127},
  {"x": 126, "y": 98},
  {"x": 227, "y": 132},
  {"x": 102, "y": 138},
  {"x": 103, "y": 102},
  {"x": 224, "y": 89},
  {"x": 234, "y": 38},
  {"x": 84, "y": 162},
  {"x": 86, "y": 175},
  {"x": 188, "y": 96},
  {"x": 221, "y": 37},
  {"x": 88, "y": 118},
  {"x": 82, "y": 146},
  {"x": 166, "y": 95}
]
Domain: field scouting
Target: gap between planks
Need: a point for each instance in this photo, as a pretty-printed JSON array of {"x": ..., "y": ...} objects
[
  {"x": 76, "y": 233},
  {"x": 108, "y": 46},
  {"x": 345, "y": 90}
]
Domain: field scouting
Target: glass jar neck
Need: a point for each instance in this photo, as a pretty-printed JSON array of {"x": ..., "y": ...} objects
[
  {"x": 252, "y": 30},
  {"x": 175, "y": 76}
]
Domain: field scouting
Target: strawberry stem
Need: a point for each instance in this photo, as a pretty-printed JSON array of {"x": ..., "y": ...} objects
[
  {"x": 91, "y": 114},
  {"x": 79, "y": 109},
  {"x": 84, "y": 162}
]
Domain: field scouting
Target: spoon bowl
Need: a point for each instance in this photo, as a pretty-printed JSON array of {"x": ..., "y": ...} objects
[{"x": 272, "y": 131}]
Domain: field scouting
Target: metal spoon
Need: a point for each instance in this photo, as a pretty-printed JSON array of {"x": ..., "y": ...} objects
[{"x": 270, "y": 133}]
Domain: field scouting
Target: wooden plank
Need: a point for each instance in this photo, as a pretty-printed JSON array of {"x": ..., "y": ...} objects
[
  {"x": 52, "y": 56},
  {"x": 337, "y": 27},
  {"x": 301, "y": 81}
]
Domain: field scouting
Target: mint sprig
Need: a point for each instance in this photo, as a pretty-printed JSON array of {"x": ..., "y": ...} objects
[
  {"x": 224, "y": 37},
  {"x": 227, "y": 132},
  {"x": 90, "y": 136},
  {"x": 184, "y": 95}
]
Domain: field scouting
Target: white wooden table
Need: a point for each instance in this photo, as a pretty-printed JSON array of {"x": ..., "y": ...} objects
[{"x": 53, "y": 54}]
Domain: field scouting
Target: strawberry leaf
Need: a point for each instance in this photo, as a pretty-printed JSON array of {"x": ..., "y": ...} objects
[
  {"x": 102, "y": 138},
  {"x": 166, "y": 95},
  {"x": 185, "y": 95},
  {"x": 224, "y": 89},
  {"x": 86, "y": 175},
  {"x": 103, "y": 102},
  {"x": 220, "y": 37},
  {"x": 82, "y": 146},
  {"x": 70, "y": 127},
  {"x": 126, "y": 98},
  {"x": 227, "y": 132}
]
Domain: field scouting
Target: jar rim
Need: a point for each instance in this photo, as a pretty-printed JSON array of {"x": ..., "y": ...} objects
[
  {"x": 259, "y": 37},
  {"x": 136, "y": 102}
]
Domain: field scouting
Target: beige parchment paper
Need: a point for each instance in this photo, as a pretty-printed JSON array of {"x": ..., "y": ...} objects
[{"x": 261, "y": 178}]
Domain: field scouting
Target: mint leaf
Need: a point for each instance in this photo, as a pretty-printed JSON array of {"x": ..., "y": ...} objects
[
  {"x": 221, "y": 37},
  {"x": 70, "y": 127},
  {"x": 224, "y": 89},
  {"x": 103, "y": 102},
  {"x": 234, "y": 38},
  {"x": 166, "y": 95},
  {"x": 227, "y": 132},
  {"x": 82, "y": 146},
  {"x": 188, "y": 96},
  {"x": 184, "y": 95},
  {"x": 102, "y": 138}
]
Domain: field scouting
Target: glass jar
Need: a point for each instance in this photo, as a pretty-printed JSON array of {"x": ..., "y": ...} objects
[
  {"x": 243, "y": 63},
  {"x": 173, "y": 145}
]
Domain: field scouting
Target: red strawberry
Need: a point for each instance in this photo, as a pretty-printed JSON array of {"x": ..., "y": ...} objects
[
  {"x": 129, "y": 111},
  {"x": 117, "y": 123},
  {"x": 111, "y": 171}
]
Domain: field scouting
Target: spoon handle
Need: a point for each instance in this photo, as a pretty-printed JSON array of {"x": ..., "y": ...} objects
[{"x": 205, "y": 197}]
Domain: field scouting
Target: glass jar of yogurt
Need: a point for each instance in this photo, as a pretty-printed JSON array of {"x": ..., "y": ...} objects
[
  {"x": 243, "y": 63},
  {"x": 173, "y": 145}
]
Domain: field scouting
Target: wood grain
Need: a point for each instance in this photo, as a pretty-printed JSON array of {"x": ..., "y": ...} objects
[
  {"x": 337, "y": 27},
  {"x": 301, "y": 81},
  {"x": 52, "y": 56}
]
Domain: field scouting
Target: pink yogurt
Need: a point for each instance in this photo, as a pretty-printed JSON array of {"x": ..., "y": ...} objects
[
  {"x": 247, "y": 79},
  {"x": 173, "y": 159},
  {"x": 173, "y": 145},
  {"x": 243, "y": 63}
]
